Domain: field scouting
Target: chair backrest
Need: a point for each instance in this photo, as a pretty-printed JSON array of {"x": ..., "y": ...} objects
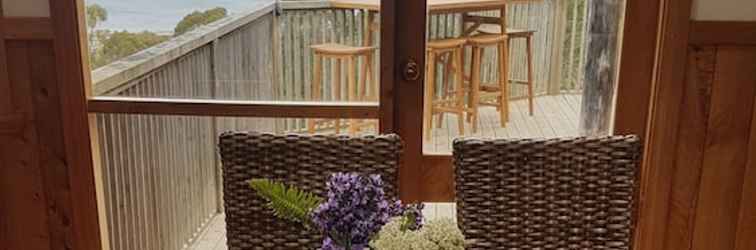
[
  {"x": 300, "y": 160},
  {"x": 577, "y": 193}
]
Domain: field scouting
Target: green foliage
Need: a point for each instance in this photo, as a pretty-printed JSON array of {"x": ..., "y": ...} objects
[
  {"x": 407, "y": 221},
  {"x": 119, "y": 44},
  {"x": 197, "y": 19},
  {"x": 287, "y": 203},
  {"x": 106, "y": 46},
  {"x": 95, "y": 15}
]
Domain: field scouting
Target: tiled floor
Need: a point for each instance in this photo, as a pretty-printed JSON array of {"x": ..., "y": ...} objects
[{"x": 214, "y": 236}]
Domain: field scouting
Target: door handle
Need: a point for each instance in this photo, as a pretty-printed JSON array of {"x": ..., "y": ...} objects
[{"x": 411, "y": 70}]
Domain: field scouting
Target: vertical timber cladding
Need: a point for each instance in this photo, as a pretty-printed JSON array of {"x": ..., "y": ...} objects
[
  {"x": 34, "y": 177},
  {"x": 720, "y": 221},
  {"x": 712, "y": 202},
  {"x": 45, "y": 177}
]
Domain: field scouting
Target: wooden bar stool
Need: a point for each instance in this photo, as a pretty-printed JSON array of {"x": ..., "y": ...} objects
[
  {"x": 518, "y": 34},
  {"x": 357, "y": 90},
  {"x": 480, "y": 92},
  {"x": 452, "y": 92}
]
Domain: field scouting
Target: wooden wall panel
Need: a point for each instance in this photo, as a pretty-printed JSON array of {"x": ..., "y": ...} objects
[
  {"x": 34, "y": 157},
  {"x": 744, "y": 238},
  {"x": 725, "y": 155},
  {"x": 712, "y": 203},
  {"x": 692, "y": 142}
]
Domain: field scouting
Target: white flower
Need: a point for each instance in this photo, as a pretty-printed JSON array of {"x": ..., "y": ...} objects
[{"x": 437, "y": 234}]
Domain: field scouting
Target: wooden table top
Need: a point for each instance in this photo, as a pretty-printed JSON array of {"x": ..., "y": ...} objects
[{"x": 434, "y": 6}]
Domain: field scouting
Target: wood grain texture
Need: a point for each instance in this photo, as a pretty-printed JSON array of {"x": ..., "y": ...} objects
[
  {"x": 662, "y": 96},
  {"x": 408, "y": 101},
  {"x": 46, "y": 95},
  {"x": 692, "y": 134},
  {"x": 26, "y": 217},
  {"x": 636, "y": 71},
  {"x": 438, "y": 178},
  {"x": 725, "y": 156},
  {"x": 27, "y": 28},
  {"x": 5, "y": 88},
  {"x": 78, "y": 212},
  {"x": 744, "y": 239},
  {"x": 193, "y": 107},
  {"x": 722, "y": 33}
]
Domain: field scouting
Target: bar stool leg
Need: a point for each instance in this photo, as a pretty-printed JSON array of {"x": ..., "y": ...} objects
[
  {"x": 446, "y": 86},
  {"x": 316, "y": 88},
  {"x": 475, "y": 87},
  {"x": 428, "y": 97},
  {"x": 351, "y": 91},
  {"x": 336, "y": 88},
  {"x": 503, "y": 86},
  {"x": 529, "y": 45},
  {"x": 459, "y": 89}
]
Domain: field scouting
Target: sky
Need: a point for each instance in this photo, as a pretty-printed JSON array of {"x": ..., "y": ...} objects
[{"x": 160, "y": 15}]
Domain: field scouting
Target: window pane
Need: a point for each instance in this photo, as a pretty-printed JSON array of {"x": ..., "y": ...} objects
[
  {"x": 263, "y": 50},
  {"x": 561, "y": 57},
  {"x": 161, "y": 178}
]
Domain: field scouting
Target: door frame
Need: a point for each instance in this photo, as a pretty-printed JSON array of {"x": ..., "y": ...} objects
[{"x": 650, "y": 63}]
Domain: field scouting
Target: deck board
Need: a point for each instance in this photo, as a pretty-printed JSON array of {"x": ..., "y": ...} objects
[{"x": 554, "y": 116}]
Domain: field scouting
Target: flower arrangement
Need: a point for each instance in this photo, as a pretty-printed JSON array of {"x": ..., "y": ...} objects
[{"x": 355, "y": 210}]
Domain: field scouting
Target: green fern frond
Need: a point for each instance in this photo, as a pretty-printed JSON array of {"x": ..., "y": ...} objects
[{"x": 287, "y": 203}]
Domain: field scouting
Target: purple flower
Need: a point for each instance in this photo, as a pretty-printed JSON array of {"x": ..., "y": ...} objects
[{"x": 355, "y": 210}]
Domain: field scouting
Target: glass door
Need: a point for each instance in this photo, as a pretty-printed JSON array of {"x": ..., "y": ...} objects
[{"x": 518, "y": 69}]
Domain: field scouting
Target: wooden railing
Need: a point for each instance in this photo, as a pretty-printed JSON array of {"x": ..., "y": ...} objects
[{"x": 160, "y": 173}]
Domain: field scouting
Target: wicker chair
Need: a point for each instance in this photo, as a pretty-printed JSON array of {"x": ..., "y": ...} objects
[
  {"x": 577, "y": 193},
  {"x": 304, "y": 161}
]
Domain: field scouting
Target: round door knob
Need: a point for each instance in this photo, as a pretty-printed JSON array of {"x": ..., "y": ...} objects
[{"x": 411, "y": 70}]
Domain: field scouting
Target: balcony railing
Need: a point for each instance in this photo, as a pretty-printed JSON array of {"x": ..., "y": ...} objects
[{"x": 160, "y": 173}]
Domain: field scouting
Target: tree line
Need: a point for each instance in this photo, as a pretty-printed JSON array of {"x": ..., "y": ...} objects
[{"x": 106, "y": 46}]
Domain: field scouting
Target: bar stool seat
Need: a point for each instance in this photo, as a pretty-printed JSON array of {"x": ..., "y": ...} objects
[
  {"x": 452, "y": 99},
  {"x": 488, "y": 29},
  {"x": 335, "y": 49},
  {"x": 486, "y": 39},
  {"x": 357, "y": 90},
  {"x": 446, "y": 44}
]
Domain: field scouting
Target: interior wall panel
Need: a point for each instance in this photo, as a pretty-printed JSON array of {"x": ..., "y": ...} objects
[
  {"x": 726, "y": 148},
  {"x": 713, "y": 199},
  {"x": 27, "y": 154}
]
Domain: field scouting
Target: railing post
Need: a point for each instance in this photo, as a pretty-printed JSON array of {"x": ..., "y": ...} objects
[
  {"x": 559, "y": 15},
  {"x": 601, "y": 67},
  {"x": 214, "y": 127}
]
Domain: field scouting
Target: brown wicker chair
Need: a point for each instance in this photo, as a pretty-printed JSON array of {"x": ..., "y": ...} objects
[
  {"x": 304, "y": 161},
  {"x": 577, "y": 193}
]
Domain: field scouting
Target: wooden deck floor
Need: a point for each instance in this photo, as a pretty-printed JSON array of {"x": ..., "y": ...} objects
[{"x": 554, "y": 116}]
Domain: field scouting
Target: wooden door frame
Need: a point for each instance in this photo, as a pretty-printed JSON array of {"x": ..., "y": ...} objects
[{"x": 651, "y": 66}]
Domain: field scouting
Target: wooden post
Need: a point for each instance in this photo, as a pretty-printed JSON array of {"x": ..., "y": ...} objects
[
  {"x": 555, "y": 76},
  {"x": 601, "y": 66}
]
